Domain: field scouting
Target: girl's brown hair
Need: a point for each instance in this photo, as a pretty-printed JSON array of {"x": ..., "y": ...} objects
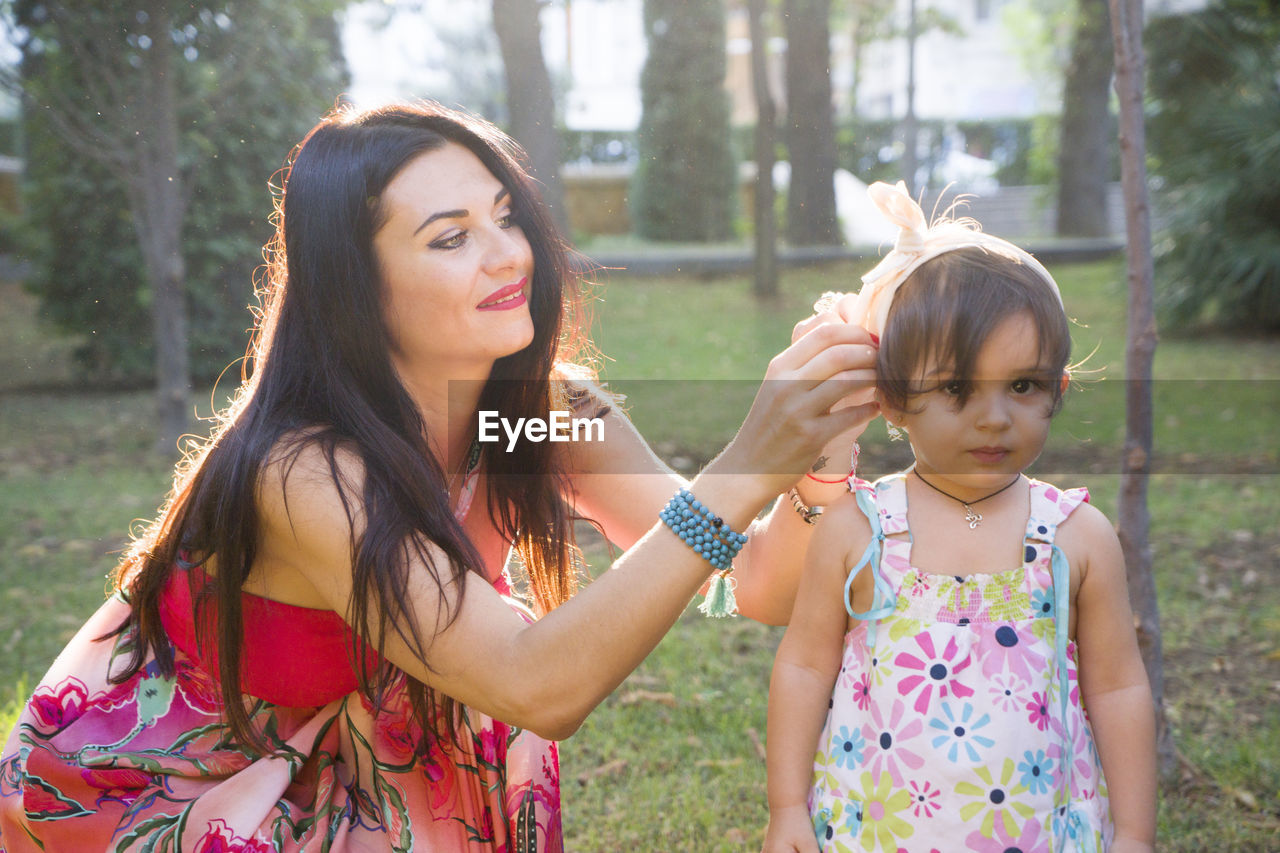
[{"x": 950, "y": 305}]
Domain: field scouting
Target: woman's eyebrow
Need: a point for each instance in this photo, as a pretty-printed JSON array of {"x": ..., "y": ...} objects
[{"x": 457, "y": 213}]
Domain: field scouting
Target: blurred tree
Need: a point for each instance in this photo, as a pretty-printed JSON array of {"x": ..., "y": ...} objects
[
  {"x": 1215, "y": 137},
  {"x": 530, "y": 104},
  {"x": 811, "y": 129},
  {"x": 685, "y": 182},
  {"x": 1133, "y": 512},
  {"x": 765, "y": 266},
  {"x": 866, "y": 22},
  {"x": 152, "y": 130},
  {"x": 1085, "y": 147}
]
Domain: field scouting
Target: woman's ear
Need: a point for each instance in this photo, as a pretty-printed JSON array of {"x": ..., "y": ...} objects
[{"x": 1066, "y": 381}]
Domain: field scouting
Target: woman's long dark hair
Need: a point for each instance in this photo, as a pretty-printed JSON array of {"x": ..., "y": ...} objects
[{"x": 319, "y": 373}]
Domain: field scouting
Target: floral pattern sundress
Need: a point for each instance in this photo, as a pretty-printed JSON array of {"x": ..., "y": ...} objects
[
  {"x": 956, "y": 721},
  {"x": 149, "y": 765}
]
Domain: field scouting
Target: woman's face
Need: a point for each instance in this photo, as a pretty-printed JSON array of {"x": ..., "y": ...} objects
[{"x": 456, "y": 269}]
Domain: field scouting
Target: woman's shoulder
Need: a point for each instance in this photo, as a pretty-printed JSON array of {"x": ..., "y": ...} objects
[{"x": 309, "y": 470}]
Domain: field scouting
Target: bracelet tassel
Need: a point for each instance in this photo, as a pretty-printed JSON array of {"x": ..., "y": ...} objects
[{"x": 720, "y": 600}]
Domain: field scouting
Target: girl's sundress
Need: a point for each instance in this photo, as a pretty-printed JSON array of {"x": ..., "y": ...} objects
[
  {"x": 956, "y": 721},
  {"x": 149, "y": 765}
]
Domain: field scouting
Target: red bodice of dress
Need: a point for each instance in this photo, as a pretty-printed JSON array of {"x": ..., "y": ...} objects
[{"x": 292, "y": 656}]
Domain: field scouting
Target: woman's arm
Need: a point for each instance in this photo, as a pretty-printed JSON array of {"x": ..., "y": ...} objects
[
  {"x": 548, "y": 675},
  {"x": 804, "y": 673},
  {"x": 621, "y": 484},
  {"x": 1113, "y": 680}
]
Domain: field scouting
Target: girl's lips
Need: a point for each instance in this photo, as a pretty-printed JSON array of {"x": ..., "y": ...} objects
[
  {"x": 989, "y": 454},
  {"x": 505, "y": 298}
]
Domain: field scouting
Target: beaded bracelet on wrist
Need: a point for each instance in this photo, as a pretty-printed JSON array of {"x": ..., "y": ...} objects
[{"x": 713, "y": 540}]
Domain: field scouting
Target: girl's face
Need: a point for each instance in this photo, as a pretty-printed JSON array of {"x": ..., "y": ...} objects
[
  {"x": 973, "y": 448},
  {"x": 456, "y": 269}
]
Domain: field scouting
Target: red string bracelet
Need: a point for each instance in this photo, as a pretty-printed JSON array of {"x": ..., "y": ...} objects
[{"x": 830, "y": 482}]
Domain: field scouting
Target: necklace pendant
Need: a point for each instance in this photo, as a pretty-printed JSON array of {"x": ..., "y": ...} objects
[{"x": 972, "y": 517}]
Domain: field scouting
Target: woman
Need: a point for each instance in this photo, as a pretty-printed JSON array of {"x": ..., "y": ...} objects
[{"x": 316, "y": 646}]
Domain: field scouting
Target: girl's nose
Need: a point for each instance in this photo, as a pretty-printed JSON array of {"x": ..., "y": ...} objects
[{"x": 993, "y": 408}]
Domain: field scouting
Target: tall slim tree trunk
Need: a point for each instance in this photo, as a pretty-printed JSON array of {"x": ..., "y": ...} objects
[
  {"x": 1084, "y": 161},
  {"x": 811, "y": 131},
  {"x": 1134, "y": 515},
  {"x": 530, "y": 102},
  {"x": 158, "y": 205},
  {"x": 765, "y": 268},
  {"x": 910, "y": 127}
]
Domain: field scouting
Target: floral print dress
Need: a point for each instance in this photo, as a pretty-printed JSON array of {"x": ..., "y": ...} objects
[
  {"x": 150, "y": 765},
  {"x": 956, "y": 721}
]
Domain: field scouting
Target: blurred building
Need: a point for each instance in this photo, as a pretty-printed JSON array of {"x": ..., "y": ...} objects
[{"x": 978, "y": 67}]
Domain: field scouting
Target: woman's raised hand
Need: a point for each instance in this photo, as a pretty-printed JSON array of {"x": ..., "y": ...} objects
[{"x": 813, "y": 391}]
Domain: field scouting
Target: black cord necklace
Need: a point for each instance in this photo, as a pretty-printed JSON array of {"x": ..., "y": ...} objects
[{"x": 970, "y": 516}]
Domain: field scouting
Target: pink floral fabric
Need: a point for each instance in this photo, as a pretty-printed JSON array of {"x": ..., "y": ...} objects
[
  {"x": 945, "y": 730},
  {"x": 149, "y": 765}
]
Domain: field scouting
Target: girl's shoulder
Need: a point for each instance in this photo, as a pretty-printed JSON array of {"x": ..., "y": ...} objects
[
  {"x": 1085, "y": 529},
  {"x": 844, "y": 526}
]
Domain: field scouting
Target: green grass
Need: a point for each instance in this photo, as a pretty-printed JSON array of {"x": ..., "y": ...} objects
[{"x": 671, "y": 760}]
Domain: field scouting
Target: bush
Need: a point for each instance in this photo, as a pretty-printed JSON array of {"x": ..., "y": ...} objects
[
  {"x": 1214, "y": 133},
  {"x": 87, "y": 267}
]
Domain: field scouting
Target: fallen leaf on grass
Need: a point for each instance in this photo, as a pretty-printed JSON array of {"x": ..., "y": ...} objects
[
  {"x": 755, "y": 741},
  {"x": 609, "y": 768},
  {"x": 1245, "y": 798},
  {"x": 718, "y": 762},
  {"x": 637, "y": 696}
]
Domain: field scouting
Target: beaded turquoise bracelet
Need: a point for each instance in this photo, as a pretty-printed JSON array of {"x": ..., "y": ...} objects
[{"x": 713, "y": 540}]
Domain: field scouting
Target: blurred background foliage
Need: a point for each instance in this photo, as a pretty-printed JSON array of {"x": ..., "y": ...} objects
[
  {"x": 1214, "y": 136},
  {"x": 84, "y": 260}
]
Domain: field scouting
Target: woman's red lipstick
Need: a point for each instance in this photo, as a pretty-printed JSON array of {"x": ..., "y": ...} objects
[{"x": 505, "y": 298}]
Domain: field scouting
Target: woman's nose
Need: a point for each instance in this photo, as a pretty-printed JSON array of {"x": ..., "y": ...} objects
[{"x": 507, "y": 249}]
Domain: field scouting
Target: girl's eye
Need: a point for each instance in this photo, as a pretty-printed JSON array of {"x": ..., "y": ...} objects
[
  {"x": 954, "y": 388},
  {"x": 1024, "y": 386}
]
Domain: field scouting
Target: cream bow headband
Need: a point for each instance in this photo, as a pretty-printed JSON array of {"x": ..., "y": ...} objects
[{"x": 919, "y": 242}]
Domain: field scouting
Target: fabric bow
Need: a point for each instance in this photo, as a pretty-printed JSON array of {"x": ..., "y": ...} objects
[{"x": 917, "y": 242}]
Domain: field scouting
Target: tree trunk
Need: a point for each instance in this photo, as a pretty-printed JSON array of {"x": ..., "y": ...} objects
[
  {"x": 1134, "y": 516},
  {"x": 158, "y": 206},
  {"x": 910, "y": 127},
  {"x": 530, "y": 103},
  {"x": 811, "y": 132},
  {"x": 1084, "y": 151},
  {"x": 765, "y": 269}
]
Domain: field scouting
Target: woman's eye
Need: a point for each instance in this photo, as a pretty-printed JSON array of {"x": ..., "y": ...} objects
[
  {"x": 453, "y": 241},
  {"x": 506, "y": 220}
]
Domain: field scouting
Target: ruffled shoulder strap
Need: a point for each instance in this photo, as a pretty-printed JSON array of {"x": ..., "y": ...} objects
[
  {"x": 891, "y": 503},
  {"x": 1050, "y": 506},
  {"x": 871, "y": 500}
]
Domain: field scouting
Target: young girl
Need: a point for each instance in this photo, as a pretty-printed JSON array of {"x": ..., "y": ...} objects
[{"x": 961, "y": 657}]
